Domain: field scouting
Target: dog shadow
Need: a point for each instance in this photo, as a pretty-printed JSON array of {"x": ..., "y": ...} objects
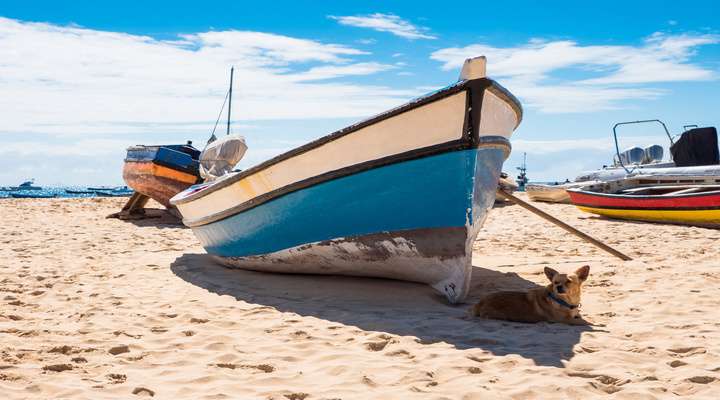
[{"x": 401, "y": 308}]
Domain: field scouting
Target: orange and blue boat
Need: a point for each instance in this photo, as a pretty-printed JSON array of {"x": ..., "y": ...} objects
[
  {"x": 697, "y": 205},
  {"x": 161, "y": 172}
]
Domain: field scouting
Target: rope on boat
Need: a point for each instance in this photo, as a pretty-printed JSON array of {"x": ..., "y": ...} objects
[{"x": 212, "y": 134}]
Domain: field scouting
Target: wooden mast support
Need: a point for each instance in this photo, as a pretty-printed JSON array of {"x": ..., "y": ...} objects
[
  {"x": 133, "y": 209},
  {"x": 542, "y": 214}
]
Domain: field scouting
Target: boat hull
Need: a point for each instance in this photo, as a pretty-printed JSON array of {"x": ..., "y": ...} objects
[
  {"x": 702, "y": 209},
  {"x": 418, "y": 225},
  {"x": 161, "y": 172},
  {"x": 158, "y": 182},
  {"x": 401, "y": 195}
]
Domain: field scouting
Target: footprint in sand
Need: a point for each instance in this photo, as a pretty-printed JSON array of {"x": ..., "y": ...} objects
[
  {"x": 377, "y": 346},
  {"x": 400, "y": 353},
  {"x": 64, "y": 349},
  {"x": 677, "y": 363},
  {"x": 687, "y": 351},
  {"x": 703, "y": 380},
  {"x": 297, "y": 396},
  {"x": 368, "y": 381},
  {"x": 57, "y": 367},
  {"x": 142, "y": 391},
  {"x": 262, "y": 367},
  {"x": 116, "y": 378},
  {"x": 266, "y": 368},
  {"x": 119, "y": 349}
]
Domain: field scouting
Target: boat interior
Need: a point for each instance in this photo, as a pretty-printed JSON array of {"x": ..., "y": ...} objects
[{"x": 673, "y": 190}]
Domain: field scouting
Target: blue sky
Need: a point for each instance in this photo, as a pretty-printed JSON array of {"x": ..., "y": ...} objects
[{"x": 81, "y": 81}]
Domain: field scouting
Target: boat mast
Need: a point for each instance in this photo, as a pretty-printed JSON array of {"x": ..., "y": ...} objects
[
  {"x": 522, "y": 178},
  {"x": 232, "y": 70}
]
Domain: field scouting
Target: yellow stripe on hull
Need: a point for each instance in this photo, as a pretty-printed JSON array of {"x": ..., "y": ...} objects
[
  {"x": 149, "y": 168},
  {"x": 691, "y": 217}
]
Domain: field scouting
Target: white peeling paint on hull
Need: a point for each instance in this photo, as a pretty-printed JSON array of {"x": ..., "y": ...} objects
[{"x": 441, "y": 258}]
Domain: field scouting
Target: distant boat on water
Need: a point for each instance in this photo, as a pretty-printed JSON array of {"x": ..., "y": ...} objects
[
  {"x": 75, "y": 191},
  {"x": 27, "y": 185},
  {"x": 401, "y": 195},
  {"x": 100, "y": 193}
]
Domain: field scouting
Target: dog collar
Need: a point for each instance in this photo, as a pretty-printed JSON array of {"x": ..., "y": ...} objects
[{"x": 561, "y": 301}]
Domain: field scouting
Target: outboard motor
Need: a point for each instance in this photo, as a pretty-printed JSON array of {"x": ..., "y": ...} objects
[
  {"x": 220, "y": 156},
  {"x": 633, "y": 155},
  {"x": 698, "y": 146},
  {"x": 652, "y": 154}
]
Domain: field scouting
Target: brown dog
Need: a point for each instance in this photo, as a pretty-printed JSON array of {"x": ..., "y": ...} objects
[{"x": 557, "y": 302}]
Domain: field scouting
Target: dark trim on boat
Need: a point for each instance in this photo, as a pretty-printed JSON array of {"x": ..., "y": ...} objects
[
  {"x": 643, "y": 197},
  {"x": 647, "y": 208},
  {"x": 485, "y": 141},
  {"x": 470, "y": 134}
]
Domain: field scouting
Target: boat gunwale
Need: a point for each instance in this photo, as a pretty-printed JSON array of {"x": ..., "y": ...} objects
[
  {"x": 627, "y": 208},
  {"x": 473, "y": 104},
  {"x": 642, "y": 197},
  {"x": 456, "y": 145}
]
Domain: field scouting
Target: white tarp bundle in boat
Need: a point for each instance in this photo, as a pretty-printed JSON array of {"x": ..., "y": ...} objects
[{"x": 221, "y": 156}]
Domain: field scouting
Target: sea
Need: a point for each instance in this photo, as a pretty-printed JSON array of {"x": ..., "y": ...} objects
[{"x": 68, "y": 192}]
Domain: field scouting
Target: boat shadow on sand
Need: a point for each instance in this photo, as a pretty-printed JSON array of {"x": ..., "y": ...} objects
[
  {"x": 396, "y": 307},
  {"x": 153, "y": 217}
]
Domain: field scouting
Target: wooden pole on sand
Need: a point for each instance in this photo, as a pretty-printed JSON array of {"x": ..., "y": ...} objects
[{"x": 542, "y": 214}]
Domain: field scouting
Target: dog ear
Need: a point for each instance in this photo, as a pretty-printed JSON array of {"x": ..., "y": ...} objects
[
  {"x": 583, "y": 272},
  {"x": 550, "y": 273}
]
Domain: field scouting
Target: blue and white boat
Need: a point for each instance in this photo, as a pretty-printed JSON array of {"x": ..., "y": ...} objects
[
  {"x": 27, "y": 185},
  {"x": 401, "y": 195}
]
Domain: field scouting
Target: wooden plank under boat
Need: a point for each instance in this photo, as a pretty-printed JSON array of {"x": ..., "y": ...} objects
[
  {"x": 161, "y": 172},
  {"x": 401, "y": 195},
  {"x": 678, "y": 204}
]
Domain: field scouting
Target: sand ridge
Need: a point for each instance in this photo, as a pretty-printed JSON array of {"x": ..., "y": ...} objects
[{"x": 95, "y": 308}]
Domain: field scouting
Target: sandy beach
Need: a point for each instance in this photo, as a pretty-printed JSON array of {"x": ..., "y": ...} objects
[{"x": 95, "y": 308}]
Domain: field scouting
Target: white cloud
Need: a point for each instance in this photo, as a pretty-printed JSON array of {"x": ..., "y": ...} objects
[
  {"x": 386, "y": 23},
  {"x": 65, "y": 79},
  {"x": 336, "y": 71},
  {"x": 618, "y": 70},
  {"x": 96, "y": 148},
  {"x": 580, "y": 145}
]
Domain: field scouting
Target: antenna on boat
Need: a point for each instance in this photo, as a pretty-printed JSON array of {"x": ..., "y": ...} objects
[
  {"x": 232, "y": 70},
  {"x": 228, "y": 96}
]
